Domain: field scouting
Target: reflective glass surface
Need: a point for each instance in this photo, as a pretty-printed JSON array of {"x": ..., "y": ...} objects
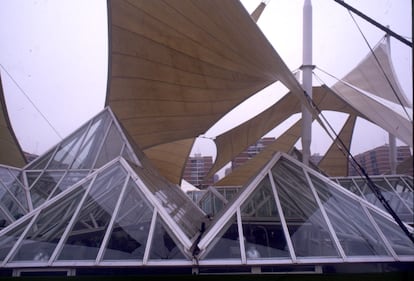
[
  {"x": 111, "y": 147},
  {"x": 10, "y": 205},
  {"x": 355, "y": 232},
  {"x": 44, "y": 186},
  {"x": 395, "y": 190},
  {"x": 226, "y": 245},
  {"x": 67, "y": 151},
  {"x": 41, "y": 162},
  {"x": 69, "y": 179},
  {"x": 131, "y": 228},
  {"x": 210, "y": 203},
  {"x": 399, "y": 241},
  {"x": 18, "y": 194},
  {"x": 262, "y": 227},
  {"x": 86, "y": 236},
  {"x": 308, "y": 229},
  {"x": 92, "y": 142},
  {"x": 9, "y": 238},
  {"x": 177, "y": 204},
  {"x": 164, "y": 245},
  {"x": 43, "y": 236}
]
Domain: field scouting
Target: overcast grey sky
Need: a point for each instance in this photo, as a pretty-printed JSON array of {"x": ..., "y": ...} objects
[{"x": 56, "y": 51}]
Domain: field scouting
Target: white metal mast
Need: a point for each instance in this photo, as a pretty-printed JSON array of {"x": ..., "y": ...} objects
[
  {"x": 307, "y": 80},
  {"x": 392, "y": 139}
]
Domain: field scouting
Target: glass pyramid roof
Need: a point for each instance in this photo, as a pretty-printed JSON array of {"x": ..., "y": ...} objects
[
  {"x": 93, "y": 145},
  {"x": 103, "y": 218},
  {"x": 292, "y": 214},
  {"x": 396, "y": 189},
  {"x": 91, "y": 201},
  {"x": 94, "y": 201}
]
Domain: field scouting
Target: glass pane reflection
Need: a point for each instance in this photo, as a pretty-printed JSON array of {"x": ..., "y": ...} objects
[
  {"x": 130, "y": 232},
  {"x": 226, "y": 244},
  {"x": 357, "y": 235},
  {"x": 163, "y": 245},
  {"x": 43, "y": 236},
  {"x": 262, "y": 228},
  {"x": 308, "y": 230},
  {"x": 399, "y": 241},
  {"x": 86, "y": 235}
]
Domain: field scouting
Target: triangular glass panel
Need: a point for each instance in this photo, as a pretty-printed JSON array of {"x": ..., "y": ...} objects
[
  {"x": 352, "y": 226},
  {"x": 262, "y": 227},
  {"x": 111, "y": 147},
  {"x": 7, "y": 176},
  {"x": 85, "y": 237},
  {"x": 32, "y": 177},
  {"x": 44, "y": 234},
  {"x": 394, "y": 189},
  {"x": 226, "y": 244},
  {"x": 175, "y": 202},
  {"x": 210, "y": 203},
  {"x": 399, "y": 241},
  {"x": 69, "y": 179},
  {"x": 67, "y": 150},
  {"x": 349, "y": 184},
  {"x": 307, "y": 227},
  {"x": 129, "y": 155},
  {"x": 14, "y": 172},
  {"x": 367, "y": 192},
  {"x": 129, "y": 235},
  {"x": 92, "y": 142},
  {"x": 228, "y": 192},
  {"x": 18, "y": 192},
  {"x": 44, "y": 186},
  {"x": 41, "y": 162},
  {"x": 399, "y": 184},
  {"x": 164, "y": 245},
  {"x": 404, "y": 207},
  {"x": 10, "y": 207},
  {"x": 9, "y": 237},
  {"x": 390, "y": 196}
]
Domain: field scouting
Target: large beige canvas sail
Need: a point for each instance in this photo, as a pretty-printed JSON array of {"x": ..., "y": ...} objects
[
  {"x": 233, "y": 142},
  {"x": 284, "y": 143},
  {"x": 10, "y": 151},
  {"x": 375, "y": 74},
  {"x": 177, "y": 67},
  {"x": 376, "y": 112},
  {"x": 171, "y": 158},
  {"x": 335, "y": 161}
]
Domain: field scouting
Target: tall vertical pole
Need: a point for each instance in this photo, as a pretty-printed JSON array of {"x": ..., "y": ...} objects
[
  {"x": 307, "y": 80},
  {"x": 392, "y": 139}
]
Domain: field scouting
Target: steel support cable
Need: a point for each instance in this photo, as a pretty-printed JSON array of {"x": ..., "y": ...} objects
[
  {"x": 373, "y": 187},
  {"x": 380, "y": 66},
  {"x": 31, "y": 102},
  {"x": 368, "y": 19}
]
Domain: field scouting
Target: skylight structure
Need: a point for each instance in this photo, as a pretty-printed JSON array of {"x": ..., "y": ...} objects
[
  {"x": 290, "y": 214},
  {"x": 397, "y": 190},
  {"x": 93, "y": 201}
]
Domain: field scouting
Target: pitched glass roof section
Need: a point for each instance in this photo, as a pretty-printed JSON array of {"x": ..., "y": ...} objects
[
  {"x": 106, "y": 218},
  {"x": 90, "y": 206},
  {"x": 176, "y": 203},
  {"x": 13, "y": 195},
  {"x": 291, "y": 214},
  {"x": 396, "y": 189},
  {"x": 91, "y": 146},
  {"x": 213, "y": 199}
]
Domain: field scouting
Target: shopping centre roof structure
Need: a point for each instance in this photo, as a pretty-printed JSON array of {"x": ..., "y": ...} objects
[
  {"x": 89, "y": 204},
  {"x": 107, "y": 195}
]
